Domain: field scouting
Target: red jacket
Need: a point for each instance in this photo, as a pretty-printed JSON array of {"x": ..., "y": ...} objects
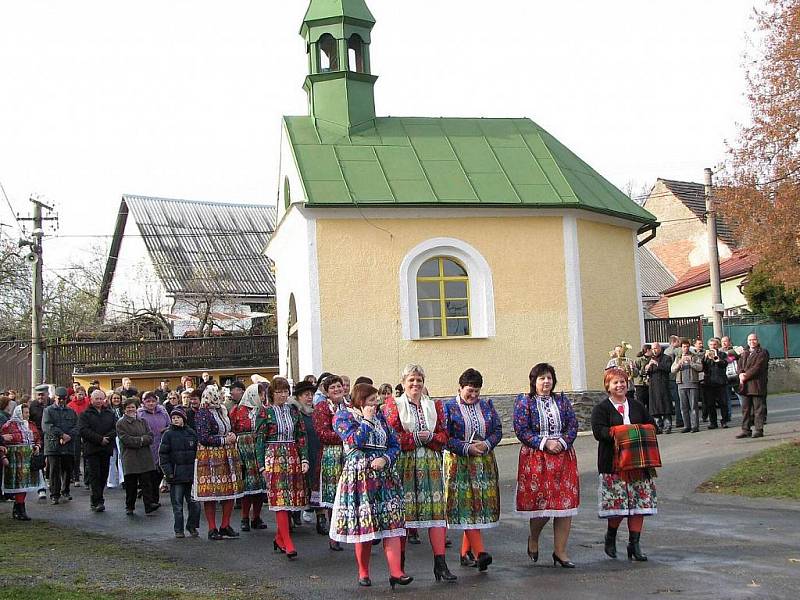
[
  {"x": 78, "y": 406},
  {"x": 407, "y": 440}
]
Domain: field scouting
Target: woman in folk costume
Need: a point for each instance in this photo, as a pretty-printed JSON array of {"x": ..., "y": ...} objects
[
  {"x": 22, "y": 441},
  {"x": 243, "y": 422},
  {"x": 629, "y": 494},
  {"x": 217, "y": 469},
  {"x": 283, "y": 458},
  {"x": 471, "y": 489},
  {"x": 547, "y": 475},
  {"x": 329, "y": 463},
  {"x": 419, "y": 423},
  {"x": 116, "y": 473},
  {"x": 369, "y": 497}
]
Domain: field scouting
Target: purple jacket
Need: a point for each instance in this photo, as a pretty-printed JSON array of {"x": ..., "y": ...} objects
[{"x": 158, "y": 421}]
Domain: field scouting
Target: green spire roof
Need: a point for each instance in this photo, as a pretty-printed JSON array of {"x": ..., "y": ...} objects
[
  {"x": 409, "y": 161},
  {"x": 333, "y": 9}
]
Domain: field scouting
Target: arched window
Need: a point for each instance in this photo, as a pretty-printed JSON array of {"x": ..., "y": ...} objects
[
  {"x": 443, "y": 298},
  {"x": 328, "y": 54},
  {"x": 355, "y": 53},
  {"x": 446, "y": 291}
]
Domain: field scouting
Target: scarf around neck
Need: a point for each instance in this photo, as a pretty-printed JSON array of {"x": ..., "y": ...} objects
[{"x": 408, "y": 417}]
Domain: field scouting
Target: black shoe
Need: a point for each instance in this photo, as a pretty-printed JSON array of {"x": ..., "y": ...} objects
[
  {"x": 448, "y": 543},
  {"x": 193, "y": 531},
  {"x": 686, "y": 430},
  {"x": 695, "y": 430},
  {"x": 566, "y": 564},
  {"x": 365, "y": 582},
  {"x": 712, "y": 426},
  {"x": 296, "y": 518},
  {"x": 484, "y": 560},
  {"x": 322, "y": 524},
  {"x": 93, "y": 507},
  {"x": 468, "y": 560},
  {"x": 151, "y": 508},
  {"x": 245, "y": 525},
  {"x": 54, "y": 500},
  {"x": 129, "y": 511},
  {"x": 257, "y": 523},
  {"x": 14, "y": 511},
  {"x": 404, "y": 580},
  {"x": 440, "y": 570},
  {"x": 213, "y": 534},
  {"x": 610, "y": 547},
  {"x": 534, "y": 556},
  {"x": 413, "y": 537},
  {"x": 228, "y": 532},
  {"x": 66, "y": 496},
  {"x": 291, "y": 555},
  {"x": 758, "y": 434},
  {"x": 335, "y": 546},
  {"x": 724, "y": 425},
  {"x": 276, "y": 548},
  {"x": 634, "y": 550},
  {"x": 743, "y": 434}
]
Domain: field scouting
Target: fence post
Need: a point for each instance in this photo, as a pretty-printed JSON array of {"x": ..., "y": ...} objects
[{"x": 785, "y": 331}]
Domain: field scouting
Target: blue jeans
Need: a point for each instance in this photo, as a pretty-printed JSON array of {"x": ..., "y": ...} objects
[{"x": 178, "y": 493}]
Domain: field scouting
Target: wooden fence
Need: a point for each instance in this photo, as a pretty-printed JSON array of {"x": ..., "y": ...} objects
[
  {"x": 15, "y": 366},
  {"x": 64, "y": 360}
]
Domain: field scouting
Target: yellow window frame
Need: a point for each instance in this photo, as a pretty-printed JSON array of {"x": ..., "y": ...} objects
[{"x": 442, "y": 280}]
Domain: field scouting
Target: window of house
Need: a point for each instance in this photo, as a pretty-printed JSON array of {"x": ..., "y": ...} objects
[
  {"x": 446, "y": 292},
  {"x": 443, "y": 298}
]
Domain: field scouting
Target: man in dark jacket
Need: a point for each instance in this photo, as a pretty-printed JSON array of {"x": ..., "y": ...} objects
[
  {"x": 176, "y": 457},
  {"x": 60, "y": 427},
  {"x": 753, "y": 372},
  {"x": 715, "y": 363},
  {"x": 98, "y": 426},
  {"x": 40, "y": 401}
]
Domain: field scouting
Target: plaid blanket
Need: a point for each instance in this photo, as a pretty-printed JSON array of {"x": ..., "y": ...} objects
[{"x": 635, "y": 447}]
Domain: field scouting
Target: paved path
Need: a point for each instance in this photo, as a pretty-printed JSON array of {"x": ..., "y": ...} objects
[{"x": 700, "y": 545}]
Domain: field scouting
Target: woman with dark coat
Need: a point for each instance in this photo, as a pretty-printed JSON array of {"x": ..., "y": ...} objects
[
  {"x": 658, "y": 370},
  {"x": 630, "y": 494}
]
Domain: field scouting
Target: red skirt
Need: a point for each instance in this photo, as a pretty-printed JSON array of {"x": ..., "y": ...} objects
[{"x": 547, "y": 484}]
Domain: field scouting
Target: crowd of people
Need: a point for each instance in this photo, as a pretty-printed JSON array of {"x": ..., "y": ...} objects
[{"x": 374, "y": 465}]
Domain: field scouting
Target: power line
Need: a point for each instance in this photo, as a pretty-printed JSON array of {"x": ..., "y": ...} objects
[{"x": 11, "y": 208}]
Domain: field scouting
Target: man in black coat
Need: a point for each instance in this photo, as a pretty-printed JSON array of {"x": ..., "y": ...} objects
[
  {"x": 753, "y": 379},
  {"x": 98, "y": 427},
  {"x": 60, "y": 432}
]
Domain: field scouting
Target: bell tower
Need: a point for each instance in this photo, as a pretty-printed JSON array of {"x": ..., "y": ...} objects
[{"x": 339, "y": 84}]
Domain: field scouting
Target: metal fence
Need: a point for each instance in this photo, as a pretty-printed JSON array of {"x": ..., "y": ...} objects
[
  {"x": 659, "y": 330},
  {"x": 782, "y": 340}
]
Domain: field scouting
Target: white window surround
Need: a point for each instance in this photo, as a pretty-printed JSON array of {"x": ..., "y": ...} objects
[{"x": 481, "y": 290}]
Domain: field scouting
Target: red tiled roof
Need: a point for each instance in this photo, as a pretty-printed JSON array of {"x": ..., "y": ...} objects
[{"x": 738, "y": 264}]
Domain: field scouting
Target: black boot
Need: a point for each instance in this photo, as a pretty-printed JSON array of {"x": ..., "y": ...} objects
[
  {"x": 22, "y": 515},
  {"x": 15, "y": 512},
  {"x": 440, "y": 570},
  {"x": 245, "y": 525},
  {"x": 634, "y": 551},
  {"x": 611, "y": 542},
  {"x": 322, "y": 524}
]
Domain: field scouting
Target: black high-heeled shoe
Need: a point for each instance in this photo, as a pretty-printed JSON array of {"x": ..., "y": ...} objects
[
  {"x": 634, "y": 550},
  {"x": 404, "y": 580},
  {"x": 483, "y": 561},
  {"x": 276, "y": 548},
  {"x": 534, "y": 556},
  {"x": 468, "y": 560},
  {"x": 610, "y": 546},
  {"x": 566, "y": 564},
  {"x": 322, "y": 524},
  {"x": 335, "y": 546},
  {"x": 440, "y": 570},
  {"x": 291, "y": 555},
  {"x": 365, "y": 582}
]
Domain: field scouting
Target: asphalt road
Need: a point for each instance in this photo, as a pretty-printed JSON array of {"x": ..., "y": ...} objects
[{"x": 700, "y": 545}]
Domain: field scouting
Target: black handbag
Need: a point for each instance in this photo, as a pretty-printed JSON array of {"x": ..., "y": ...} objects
[{"x": 37, "y": 462}]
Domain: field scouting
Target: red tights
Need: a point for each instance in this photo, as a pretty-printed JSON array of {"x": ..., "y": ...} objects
[
  {"x": 210, "y": 509},
  {"x": 20, "y": 498},
  {"x": 256, "y": 502},
  {"x": 635, "y": 523},
  {"x": 472, "y": 541},
  {"x": 392, "y": 548},
  {"x": 437, "y": 537},
  {"x": 283, "y": 538}
]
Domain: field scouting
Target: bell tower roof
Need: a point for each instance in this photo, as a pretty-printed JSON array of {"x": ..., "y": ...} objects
[{"x": 319, "y": 10}]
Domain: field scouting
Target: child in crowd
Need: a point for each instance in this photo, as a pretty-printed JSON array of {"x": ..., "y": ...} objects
[{"x": 176, "y": 457}]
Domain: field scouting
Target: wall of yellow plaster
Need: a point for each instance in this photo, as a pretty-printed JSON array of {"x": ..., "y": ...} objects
[
  {"x": 359, "y": 297},
  {"x": 698, "y": 302},
  {"x": 609, "y": 294}
]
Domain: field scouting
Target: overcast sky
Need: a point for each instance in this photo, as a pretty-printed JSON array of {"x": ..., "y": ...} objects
[{"x": 183, "y": 98}]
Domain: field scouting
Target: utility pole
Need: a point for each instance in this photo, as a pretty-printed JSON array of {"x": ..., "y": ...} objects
[
  {"x": 37, "y": 310},
  {"x": 717, "y": 308}
]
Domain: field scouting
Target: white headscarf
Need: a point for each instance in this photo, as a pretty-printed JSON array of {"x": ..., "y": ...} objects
[{"x": 24, "y": 427}]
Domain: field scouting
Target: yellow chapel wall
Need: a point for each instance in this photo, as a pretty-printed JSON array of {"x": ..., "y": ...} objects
[
  {"x": 609, "y": 295},
  {"x": 360, "y": 307}
]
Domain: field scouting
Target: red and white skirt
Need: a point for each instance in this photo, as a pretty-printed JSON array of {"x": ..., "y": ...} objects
[{"x": 547, "y": 484}]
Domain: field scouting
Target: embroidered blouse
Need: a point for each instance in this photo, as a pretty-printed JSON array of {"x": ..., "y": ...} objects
[
  {"x": 361, "y": 434},
  {"x": 211, "y": 429},
  {"x": 539, "y": 419},
  {"x": 476, "y": 422},
  {"x": 280, "y": 425},
  {"x": 410, "y": 440}
]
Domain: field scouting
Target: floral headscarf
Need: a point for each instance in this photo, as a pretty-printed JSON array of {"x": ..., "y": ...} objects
[
  {"x": 210, "y": 396},
  {"x": 24, "y": 427}
]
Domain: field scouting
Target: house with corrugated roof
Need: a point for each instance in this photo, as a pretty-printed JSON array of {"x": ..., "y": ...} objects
[
  {"x": 654, "y": 278},
  {"x": 197, "y": 266},
  {"x": 447, "y": 242},
  {"x": 682, "y": 241}
]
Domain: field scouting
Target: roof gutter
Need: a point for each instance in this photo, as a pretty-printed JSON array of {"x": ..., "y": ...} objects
[{"x": 647, "y": 227}]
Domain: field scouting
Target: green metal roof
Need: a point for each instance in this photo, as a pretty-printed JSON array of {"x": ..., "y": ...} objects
[
  {"x": 410, "y": 161},
  {"x": 329, "y": 9}
]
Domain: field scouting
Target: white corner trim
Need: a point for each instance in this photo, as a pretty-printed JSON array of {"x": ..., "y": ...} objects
[
  {"x": 572, "y": 271},
  {"x": 315, "y": 319},
  {"x": 481, "y": 288},
  {"x": 639, "y": 302}
]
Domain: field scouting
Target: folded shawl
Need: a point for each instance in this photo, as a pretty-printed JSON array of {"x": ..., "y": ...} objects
[{"x": 636, "y": 451}]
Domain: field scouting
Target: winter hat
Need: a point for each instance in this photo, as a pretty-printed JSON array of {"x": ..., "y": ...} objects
[{"x": 178, "y": 410}]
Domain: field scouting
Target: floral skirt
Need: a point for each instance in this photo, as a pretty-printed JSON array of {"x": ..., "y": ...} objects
[
  {"x": 330, "y": 468},
  {"x": 369, "y": 503},
  {"x": 217, "y": 473},
  {"x": 284, "y": 477},
  {"x": 547, "y": 484},
  {"x": 17, "y": 476},
  {"x": 617, "y": 497},
  {"x": 251, "y": 476},
  {"x": 471, "y": 491},
  {"x": 421, "y": 473}
]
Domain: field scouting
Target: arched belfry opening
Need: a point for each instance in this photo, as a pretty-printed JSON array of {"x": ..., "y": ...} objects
[
  {"x": 328, "y": 54},
  {"x": 355, "y": 54}
]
